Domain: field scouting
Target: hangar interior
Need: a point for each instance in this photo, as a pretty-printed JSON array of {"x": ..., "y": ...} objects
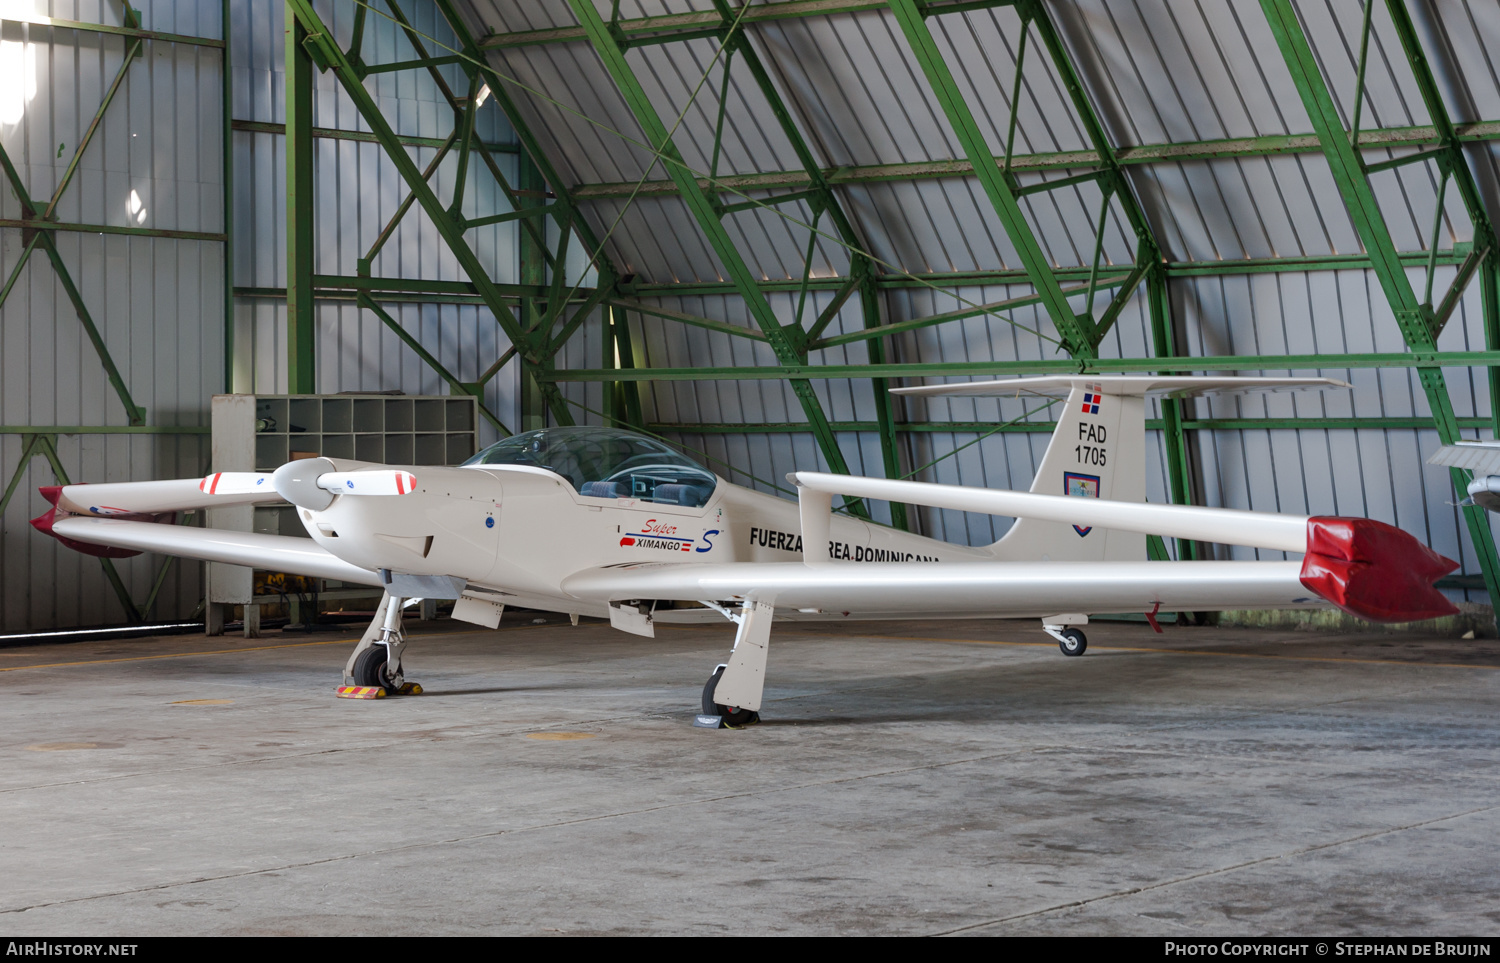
[
  {"x": 1174, "y": 183},
  {"x": 734, "y": 225}
]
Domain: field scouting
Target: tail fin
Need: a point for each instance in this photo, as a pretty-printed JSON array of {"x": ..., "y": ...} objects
[{"x": 1097, "y": 451}]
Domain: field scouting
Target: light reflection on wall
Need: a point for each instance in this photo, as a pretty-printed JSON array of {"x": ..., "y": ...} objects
[{"x": 17, "y": 65}]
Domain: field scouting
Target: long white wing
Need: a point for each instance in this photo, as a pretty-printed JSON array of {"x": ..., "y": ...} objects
[
  {"x": 979, "y": 588},
  {"x": 1480, "y": 457},
  {"x": 152, "y": 497},
  {"x": 280, "y": 553}
]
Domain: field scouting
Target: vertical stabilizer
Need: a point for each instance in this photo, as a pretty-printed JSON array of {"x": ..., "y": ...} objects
[{"x": 1097, "y": 451}]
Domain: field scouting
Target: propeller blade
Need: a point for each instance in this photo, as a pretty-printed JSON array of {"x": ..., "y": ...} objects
[
  {"x": 384, "y": 482},
  {"x": 235, "y": 483}
]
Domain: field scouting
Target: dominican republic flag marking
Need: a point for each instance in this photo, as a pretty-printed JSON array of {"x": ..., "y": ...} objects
[{"x": 1091, "y": 399}]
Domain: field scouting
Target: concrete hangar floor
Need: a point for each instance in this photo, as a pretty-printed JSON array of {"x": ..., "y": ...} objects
[{"x": 912, "y": 778}]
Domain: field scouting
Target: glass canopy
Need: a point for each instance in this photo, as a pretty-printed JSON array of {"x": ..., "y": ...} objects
[{"x": 607, "y": 463}]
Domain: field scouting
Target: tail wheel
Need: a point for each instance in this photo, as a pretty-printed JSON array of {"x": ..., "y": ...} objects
[
  {"x": 732, "y": 715},
  {"x": 370, "y": 669},
  {"x": 1073, "y": 642}
]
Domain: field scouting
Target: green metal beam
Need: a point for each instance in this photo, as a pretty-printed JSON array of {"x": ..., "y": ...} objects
[
  {"x": 125, "y": 31},
  {"x": 885, "y": 407},
  {"x": 105, "y": 430},
  {"x": 320, "y": 39},
  {"x": 1077, "y": 333},
  {"x": 531, "y": 253},
  {"x": 929, "y": 280},
  {"x": 566, "y": 207},
  {"x": 992, "y": 307},
  {"x": 1179, "y": 457},
  {"x": 703, "y": 209},
  {"x": 696, "y": 321},
  {"x": 135, "y": 414},
  {"x": 301, "y": 318},
  {"x": 358, "y": 136},
  {"x": 431, "y": 360},
  {"x": 1415, "y": 319},
  {"x": 823, "y": 200},
  {"x": 684, "y": 22},
  {"x": 40, "y": 225},
  {"x": 1272, "y": 362},
  {"x": 41, "y": 444},
  {"x": 1145, "y": 154}
]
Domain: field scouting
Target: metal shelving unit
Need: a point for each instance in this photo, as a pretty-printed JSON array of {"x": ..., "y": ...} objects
[{"x": 264, "y": 432}]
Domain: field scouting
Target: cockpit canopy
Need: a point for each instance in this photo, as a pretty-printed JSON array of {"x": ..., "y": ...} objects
[{"x": 607, "y": 463}]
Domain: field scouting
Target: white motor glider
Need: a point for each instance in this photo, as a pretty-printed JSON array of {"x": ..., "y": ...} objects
[{"x": 607, "y": 523}]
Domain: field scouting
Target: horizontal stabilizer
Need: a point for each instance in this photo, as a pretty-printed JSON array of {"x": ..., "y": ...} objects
[
  {"x": 277, "y": 553},
  {"x": 1479, "y": 456},
  {"x": 1171, "y": 386}
]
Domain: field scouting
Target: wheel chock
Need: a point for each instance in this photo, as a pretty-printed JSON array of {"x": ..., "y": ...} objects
[{"x": 376, "y": 691}]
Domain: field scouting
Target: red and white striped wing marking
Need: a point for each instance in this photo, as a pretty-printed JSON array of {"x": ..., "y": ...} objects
[{"x": 235, "y": 483}]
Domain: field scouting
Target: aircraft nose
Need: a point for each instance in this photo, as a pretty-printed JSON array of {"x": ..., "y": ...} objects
[{"x": 297, "y": 482}]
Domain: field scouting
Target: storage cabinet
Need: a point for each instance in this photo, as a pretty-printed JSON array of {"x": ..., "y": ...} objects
[{"x": 264, "y": 432}]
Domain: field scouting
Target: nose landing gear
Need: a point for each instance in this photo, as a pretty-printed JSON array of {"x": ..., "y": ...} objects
[{"x": 376, "y": 661}]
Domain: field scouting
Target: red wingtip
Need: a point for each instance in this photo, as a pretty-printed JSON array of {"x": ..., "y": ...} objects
[
  {"x": 1374, "y": 571},
  {"x": 51, "y": 492},
  {"x": 43, "y": 524}
]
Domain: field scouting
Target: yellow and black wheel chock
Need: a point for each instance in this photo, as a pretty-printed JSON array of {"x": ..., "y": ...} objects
[{"x": 376, "y": 691}]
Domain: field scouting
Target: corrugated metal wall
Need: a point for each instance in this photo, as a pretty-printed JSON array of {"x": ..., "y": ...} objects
[
  {"x": 157, "y": 302},
  {"x": 357, "y": 193}
]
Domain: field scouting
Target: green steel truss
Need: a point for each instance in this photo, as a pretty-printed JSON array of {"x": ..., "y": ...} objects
[
  {"x": 1419, "y": 322},
  {"x": 787, "y": 341},
  {"x": 38, "y": 224},
  {"x": 310, "y": 43}
]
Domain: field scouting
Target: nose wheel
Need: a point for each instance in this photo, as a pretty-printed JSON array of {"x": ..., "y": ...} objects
[
  {"x": 733, "y": 716},
  {"x": 372, "y": 668}
]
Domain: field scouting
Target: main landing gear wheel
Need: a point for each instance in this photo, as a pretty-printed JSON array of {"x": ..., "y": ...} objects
[
  {"x": 732, "y": 715},
  {"x": 370, "y": 669},
  {"x": 1073, "y": 642}
]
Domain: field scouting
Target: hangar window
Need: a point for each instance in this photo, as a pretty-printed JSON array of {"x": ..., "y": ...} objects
[{"x": 607, "y": 463}]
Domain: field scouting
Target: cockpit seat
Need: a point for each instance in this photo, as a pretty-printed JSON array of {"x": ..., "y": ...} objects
[
  {"x": 691, "y": 496},
  {"x": 603, "y": 489}
]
